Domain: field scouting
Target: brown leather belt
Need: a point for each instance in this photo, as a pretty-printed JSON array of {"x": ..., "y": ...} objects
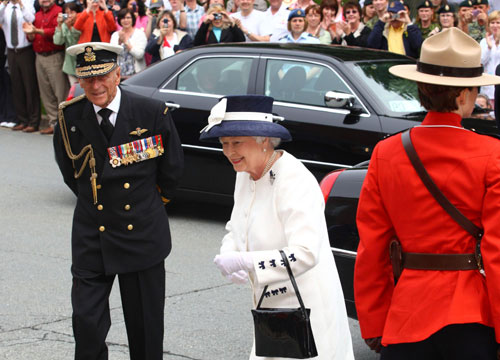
[
  {"x": 419, "y": 261},
  {"x": 48, "y": 53}
]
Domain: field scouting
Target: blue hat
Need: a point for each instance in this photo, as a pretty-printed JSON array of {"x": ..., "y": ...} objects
[
  {"x": 296, "y": 13},
  {"x": 243, "y": 115},
  {"x": 395, "y": 6}
]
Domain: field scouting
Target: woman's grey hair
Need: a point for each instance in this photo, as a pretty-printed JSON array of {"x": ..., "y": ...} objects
[{"x": 274, "y": 141}]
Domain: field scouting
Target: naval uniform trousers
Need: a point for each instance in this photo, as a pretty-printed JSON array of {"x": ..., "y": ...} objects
[
  {"x": 24, "y": 85},
  {"x": 453, "y": 342},
  {"x": 143, "y": 301}
]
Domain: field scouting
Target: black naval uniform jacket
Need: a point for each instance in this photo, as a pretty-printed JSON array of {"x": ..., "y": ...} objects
[{"x": 127, "y": 230}]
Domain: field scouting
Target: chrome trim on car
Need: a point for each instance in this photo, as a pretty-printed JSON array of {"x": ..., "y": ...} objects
[
  {"x": 208, "y": 148},
  {"x": 344, "y": 252},
  {"x": 172, "y": 105},
  {"x": 313, "y": 107},
  {"x": 174, "y": 91},
  {"x": 326, "y": 163},
  {"x": 202, "y": 147}
]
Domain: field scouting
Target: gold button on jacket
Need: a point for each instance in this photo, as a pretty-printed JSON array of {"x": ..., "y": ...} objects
[
  {"x": 126, "y": 185},
  {"x": 102, "y": 228},
  {"x": 127, "y": 207},
  {"x": 130, "y": 227},
  {"x": 100, "y": 207}
]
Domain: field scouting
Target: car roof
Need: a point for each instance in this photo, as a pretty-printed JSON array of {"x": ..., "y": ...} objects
[{"x": 341, "y": 53}]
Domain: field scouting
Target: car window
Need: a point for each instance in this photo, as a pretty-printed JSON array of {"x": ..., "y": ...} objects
[
  {"x": 223, "y": 76},
  {"x": 397, "y": 95},
  {"x": 301, "y": 82}
]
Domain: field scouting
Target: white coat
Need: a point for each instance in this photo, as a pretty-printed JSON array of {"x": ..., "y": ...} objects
[{"x": 285, "y": 210}]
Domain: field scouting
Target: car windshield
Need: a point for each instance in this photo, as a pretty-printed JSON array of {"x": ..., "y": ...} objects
[{"x": 398, "y": 96}]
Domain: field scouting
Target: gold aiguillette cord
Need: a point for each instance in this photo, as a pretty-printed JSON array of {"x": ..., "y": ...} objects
[{"x": 87, "y": 151}]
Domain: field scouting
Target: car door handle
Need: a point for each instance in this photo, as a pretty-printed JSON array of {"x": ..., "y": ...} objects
[
  {"x": 278, "y": 118},
  {"x": 172, "y": 105}
]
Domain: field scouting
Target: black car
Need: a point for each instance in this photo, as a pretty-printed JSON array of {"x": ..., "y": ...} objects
[
  {"x": 341, "y": 190},
  {"x": 337, "y": 102}
]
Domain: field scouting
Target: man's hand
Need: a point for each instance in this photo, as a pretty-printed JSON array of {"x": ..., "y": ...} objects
[
  {"x": 234, "y": 261},
  {"x": 374, "y": 343},
  {"x": 28, "y": 28},
  {"x": 386, "y": 17},
  {"x": 403, "y": 17}
]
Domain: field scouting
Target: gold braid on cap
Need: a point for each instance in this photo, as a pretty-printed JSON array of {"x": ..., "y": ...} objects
[{"x": 87, "y": 150}]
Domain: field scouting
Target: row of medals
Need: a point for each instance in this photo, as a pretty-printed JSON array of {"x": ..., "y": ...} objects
[{"x": 131, "y": 158}]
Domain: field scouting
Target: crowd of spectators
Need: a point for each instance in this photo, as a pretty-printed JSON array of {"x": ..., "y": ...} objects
[{"x": 34, "y": 34}]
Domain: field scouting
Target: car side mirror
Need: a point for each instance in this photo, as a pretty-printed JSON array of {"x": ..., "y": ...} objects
[{"x": 341, "y": 100}]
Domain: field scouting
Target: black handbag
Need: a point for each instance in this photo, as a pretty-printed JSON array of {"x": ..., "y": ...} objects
[{"x": 284, "y": 332}]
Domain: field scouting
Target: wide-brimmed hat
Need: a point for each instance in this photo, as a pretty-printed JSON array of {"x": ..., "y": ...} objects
[
  {"x": 94, "y": 58},
  {"x": 245, "y": 115},
  {"x": 450, "y": 58}
]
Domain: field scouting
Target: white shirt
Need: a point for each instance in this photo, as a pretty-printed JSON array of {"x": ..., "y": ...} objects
[
  {"x": 275, "y": 25},
  {"x": 138, "y": 41},
  {"x": 27, "y": 14},
  {"x": 251, "y": 22},
  {"x": 113, "y": 106},
  {"x": 490, "y": 58}
]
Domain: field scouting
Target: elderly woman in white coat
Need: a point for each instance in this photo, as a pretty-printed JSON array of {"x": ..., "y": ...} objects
[{"x": 278, "y": 205}]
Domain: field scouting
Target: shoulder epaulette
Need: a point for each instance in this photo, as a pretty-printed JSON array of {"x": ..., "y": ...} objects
[{"x": 72, "y": 101}]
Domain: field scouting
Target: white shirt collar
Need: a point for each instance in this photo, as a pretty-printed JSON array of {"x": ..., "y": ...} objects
[{"x": 114, "y": 106}]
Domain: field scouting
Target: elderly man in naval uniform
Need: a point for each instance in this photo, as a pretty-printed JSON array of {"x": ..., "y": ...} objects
[{"x": 121, "y": 156}]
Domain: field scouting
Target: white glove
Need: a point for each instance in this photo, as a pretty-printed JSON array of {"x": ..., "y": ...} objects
[
  {"x": 239, "y": 277},
  {"x": 234, "y": 261}
]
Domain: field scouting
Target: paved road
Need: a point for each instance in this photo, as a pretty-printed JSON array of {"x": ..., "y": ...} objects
[{"x": 206, "y": 318}]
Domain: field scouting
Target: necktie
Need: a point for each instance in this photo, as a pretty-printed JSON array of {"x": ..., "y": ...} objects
[
  {"x": 13, "y": 28},
  {"x": 106, "y": 126}
]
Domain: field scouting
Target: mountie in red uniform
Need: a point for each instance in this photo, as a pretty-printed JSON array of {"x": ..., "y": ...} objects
[{"x": 394, "y": 202}]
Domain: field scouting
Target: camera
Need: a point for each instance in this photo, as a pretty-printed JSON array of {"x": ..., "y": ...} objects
[
  {"x": 394, "y": 16},
  {"x": 165, "y": 22},
  {"x": 217, "y": 16},
  {"x": 65, "y": 17},
  {"x": 95, "y": 1}
]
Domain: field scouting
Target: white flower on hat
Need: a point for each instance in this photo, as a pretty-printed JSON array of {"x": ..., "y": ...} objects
[{"x": 216, "y": 115}]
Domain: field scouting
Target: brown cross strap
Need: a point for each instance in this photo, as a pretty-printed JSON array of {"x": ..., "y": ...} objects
[{"x": 441, "y": 261}]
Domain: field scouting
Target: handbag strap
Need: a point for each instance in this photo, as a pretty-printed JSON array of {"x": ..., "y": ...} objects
[
  {"x": 292, "y": 279},
  {"x": 465, "y": 223}
]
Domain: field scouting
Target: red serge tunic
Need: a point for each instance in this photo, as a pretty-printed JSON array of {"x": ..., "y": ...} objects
[{"x": 466, "y": 168}]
